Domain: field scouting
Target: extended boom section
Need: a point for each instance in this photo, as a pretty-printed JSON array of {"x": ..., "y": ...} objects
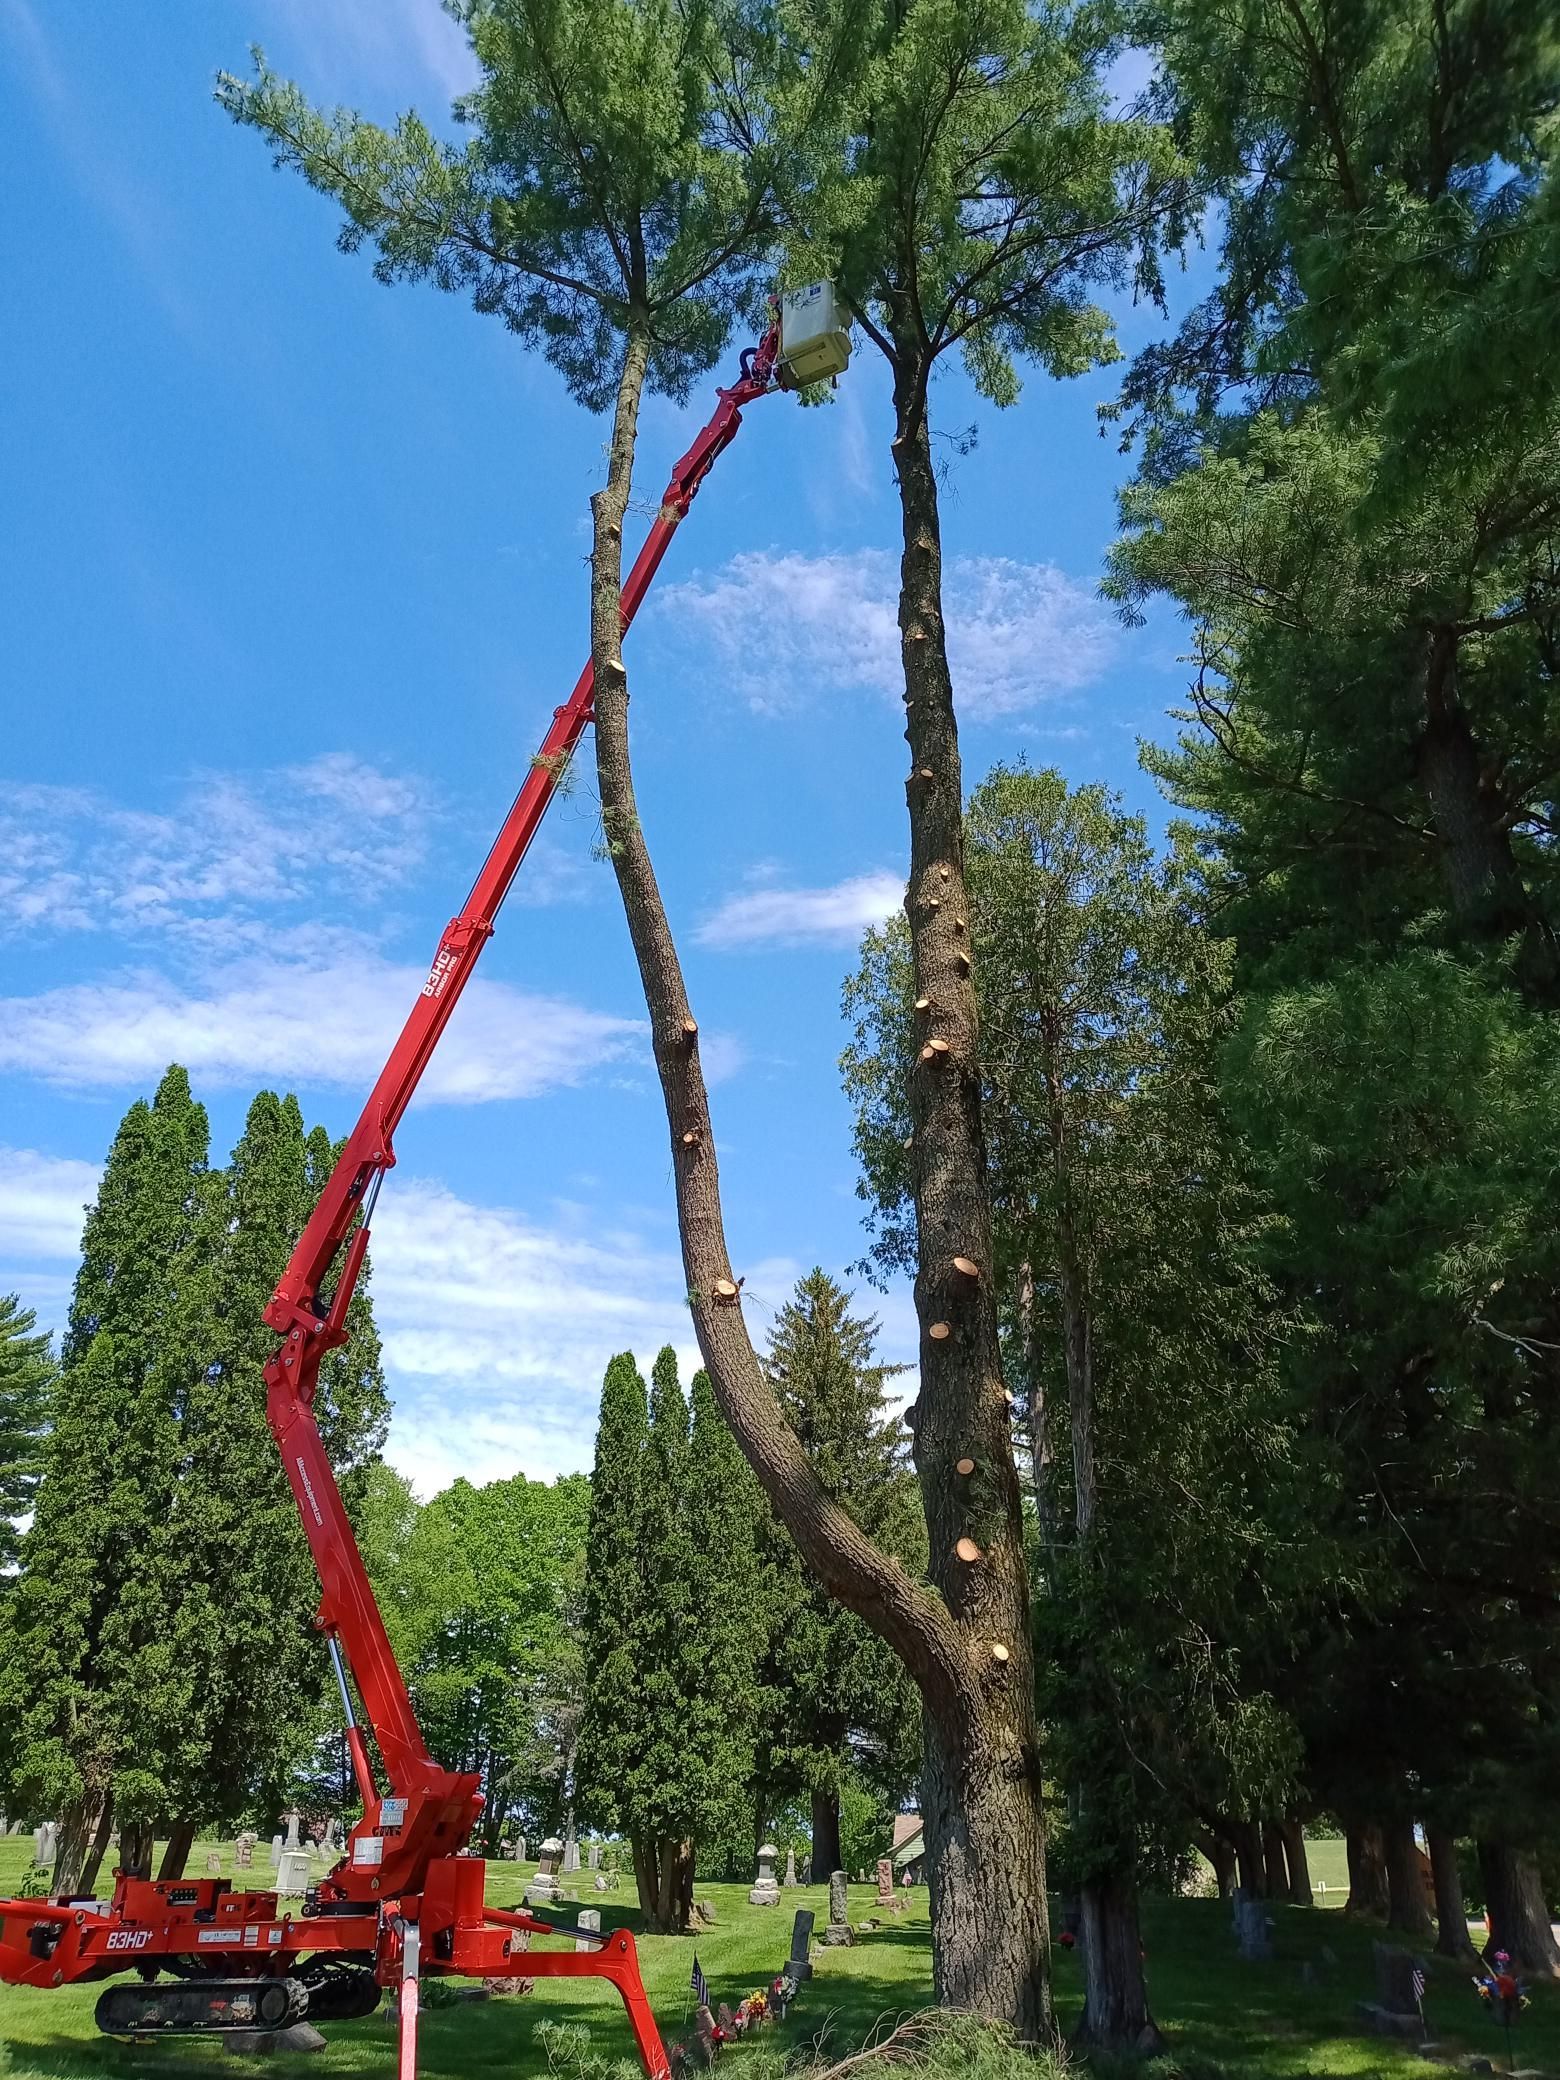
[{"x": 404, "y": 1899}]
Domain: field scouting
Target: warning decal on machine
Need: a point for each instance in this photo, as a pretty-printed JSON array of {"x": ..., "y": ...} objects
[{"x": 368, "y": 1850}]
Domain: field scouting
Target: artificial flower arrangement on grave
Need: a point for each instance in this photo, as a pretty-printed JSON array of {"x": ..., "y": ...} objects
[{"x": 1501, "y": 1991}]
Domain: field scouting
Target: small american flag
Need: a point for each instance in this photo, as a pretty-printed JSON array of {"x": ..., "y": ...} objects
[
  {"x": 1419, "y": 1985},
  {"x": 700, "y": 1985}
]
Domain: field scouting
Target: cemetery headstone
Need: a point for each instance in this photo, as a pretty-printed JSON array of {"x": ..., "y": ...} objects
[
  {"x": 798, "y": 1965},
  {"x": 765, "y": 1893},
  {"x": 601, "y": 1883},
  {"x": 292, "y": 1873},
  {"x": 593, "y": 1857},
  {"x": 807, "y": 1870},
  {"x": 1395, "y": 2010},
  {"x": 213, "y": 1863},
  {"x": 571, "y": 1854},
  {"x": 726, "y": 2019},
  {"x": 519, "y": 1848},
  {"x": 790, "y": 1870},
  {"x": 587, "y": 1921},
  {"x": 838, "y": 1931},
  {"x": 544, "y": 1887},
  {"x": 292, "y": 1819},
  {"x": 277, "y": 1845},
  {"x": 1253, "y": 1929},
  {"x": 885, "y": 1892},
  {"x": 44, "y": 1843}
]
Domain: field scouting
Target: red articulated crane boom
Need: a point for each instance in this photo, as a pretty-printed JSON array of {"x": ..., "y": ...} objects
[{"x": 404, "y": 1899}]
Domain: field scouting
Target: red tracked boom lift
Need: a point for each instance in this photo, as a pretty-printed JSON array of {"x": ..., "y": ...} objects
[{"x": 404, "y": 1899}]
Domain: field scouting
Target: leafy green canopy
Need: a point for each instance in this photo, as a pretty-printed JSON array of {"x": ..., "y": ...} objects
[
  {"x": 481, "y": 1590},
  {"x": 158, "y": 1649},
  {"x": 601, "y": 192},
  {"x": 1136, "y": 1314},
  {"x": 673, "y": 1626},
  {"x": 975, "y": 192},
  {"x": 27, "y": 1373},
  {"x": 839, "y": 1711}
]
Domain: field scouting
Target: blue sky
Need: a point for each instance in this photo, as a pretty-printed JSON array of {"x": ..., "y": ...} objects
[{"x": 293, "y": 574}]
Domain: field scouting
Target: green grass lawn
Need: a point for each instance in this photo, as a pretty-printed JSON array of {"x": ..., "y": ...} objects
[{"x": 1247, "y": 2020}]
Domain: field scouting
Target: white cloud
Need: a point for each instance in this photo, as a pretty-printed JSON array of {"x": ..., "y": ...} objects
[
  {"x": 788, "y": 626},
  {"x": 498, "y": 1329},
  {"x": 834, "y": 916},
  {"x": 215, "y": 867},
  {"x": 497, "y": 1326},
  {"x": 42, "y": 1202},
  {"x": 356, "y": 46},
  {"x": 329, "y": 1024}
]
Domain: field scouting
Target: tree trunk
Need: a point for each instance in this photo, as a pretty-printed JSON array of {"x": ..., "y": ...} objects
[
  {"x": 1452, "y": 1939},
  {"x": 1408, "y": 1908},
  {"x": 1274, "y": 1862},
  {"x": 1296, "y": 1864},
  {"x": 1519, "y": 1913},
  {"x": 1115, "y": 2000},
  {"x": 135, "y": 1849},
  {"x": 1249, "y": 1865},
  {"x": 1488, "y": 895},
  {"x": 825, "y": 1833},
  {"x": 176, "y": 1853},
  {"x": 99, "y": 1846},
  {"x": 79, "y": 1823},
  {"x": 966, "y": 1641},
  {"x": 1219, "y": 1855},
  {"x": 1368, "y": 1898}
]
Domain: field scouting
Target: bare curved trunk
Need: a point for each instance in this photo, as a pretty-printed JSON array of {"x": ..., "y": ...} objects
[
  {"x": 176, "y": 1851},
  {"x": 1367, "y": 1899},
  {"x": 75, "y": 1865},
  {"x": 1408, "y": 1903},
  {"x": 1519, "y": 1913},
  {"x": 1296, "y": 1864},
  {"x": 1452, "y": 1937},
  {"x": 1115, "y": 1998},
  {"x": 966, "y": 1643},
  {"x": 825, "y": 1849}
]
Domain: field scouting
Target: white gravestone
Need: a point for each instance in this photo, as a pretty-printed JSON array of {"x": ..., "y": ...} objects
[
  {"x": 765, "y": 1893},
  {"x": 589, "y": 1918}
]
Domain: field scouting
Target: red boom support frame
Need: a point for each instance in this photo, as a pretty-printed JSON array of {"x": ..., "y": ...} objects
[{"x": 402, "y": 1867}]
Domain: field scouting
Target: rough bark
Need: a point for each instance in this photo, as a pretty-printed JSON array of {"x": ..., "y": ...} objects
[
  {"x": 981, "y": 1803},
  {"x": 826, "y": 1831},
  {"x": 1115, "y": 1999},
  {"x": 1219, "y": 1855},
  {"x": 1274, "y": 1862},
  {"x": 1518, "y": 1911},
  {"x": 1408, "y": 1903},
  {"x": 176, "y": 1851},
  {"x": 1250, "y": 1865},
  {"x": 1297, "y": 1866},
  {"x": 1368, "y": 1898},
  {"x": 98, "y": 1848},
  {"x": 1452, "y": 1937},
  {"x": 135, "y": 1849},
  {"x": 78, "y": 1823}
]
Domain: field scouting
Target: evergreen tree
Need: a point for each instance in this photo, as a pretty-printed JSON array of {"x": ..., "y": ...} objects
[
  {"x": 98, "y": 1700},
  {"x": 673, "y": 1631},
  {"x": 609, "y": 1744},
  {"x": 1137, "y": 1318},
  {"x": 27, "y": 1373},
  {"x": 1351, "y": 487},
  {"x": 839, "y": 1706},
  {"x": 244, "y": 1619}
]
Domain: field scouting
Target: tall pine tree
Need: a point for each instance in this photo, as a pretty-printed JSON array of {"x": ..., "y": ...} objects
[
  {"x": 673, "y": 1631},
  {"x": 98, "y": 1702},
  {"x": 837, "y": 1700}
]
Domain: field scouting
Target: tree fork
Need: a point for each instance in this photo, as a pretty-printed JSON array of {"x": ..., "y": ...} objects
[{"x": 982, "y": 1804}]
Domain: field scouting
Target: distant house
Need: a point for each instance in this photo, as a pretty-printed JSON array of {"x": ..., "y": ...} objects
[{"x": 909, "y": 1850}]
